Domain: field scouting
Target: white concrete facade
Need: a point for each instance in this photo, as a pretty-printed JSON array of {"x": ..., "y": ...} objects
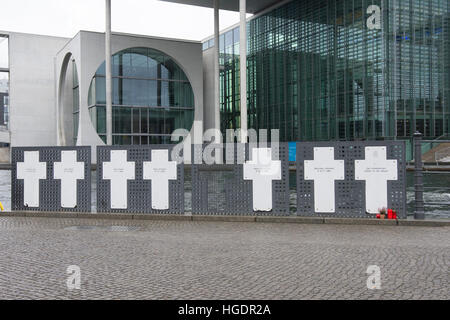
[
  {"x": 41, "y": 93},
  {"x": 87, "y": 49},
  {"x": 32, "y": 88}
]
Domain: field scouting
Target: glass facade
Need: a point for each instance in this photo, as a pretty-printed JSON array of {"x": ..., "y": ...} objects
[
  {"x": 323, "y": 70},
  {"x": 151, "y": 98}
]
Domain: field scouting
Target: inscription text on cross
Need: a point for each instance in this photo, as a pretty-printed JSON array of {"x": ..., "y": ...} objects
[
  {"x": 324, "y": 170},
  {"x": 160, "y": 170},
  {"x": 119, "y": 171},
  {"x": 69, "y": 171},
  {"x": 376, "y": 170},
  {"x": 31, "y": 171},
  {"x": 262, "y": 170}
]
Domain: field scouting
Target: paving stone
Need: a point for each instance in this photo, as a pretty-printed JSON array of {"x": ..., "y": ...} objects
[{"x": 164, "y": 259}]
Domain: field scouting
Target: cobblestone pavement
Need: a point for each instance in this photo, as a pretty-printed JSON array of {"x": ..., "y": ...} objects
[{"x": 214, "y": 260}]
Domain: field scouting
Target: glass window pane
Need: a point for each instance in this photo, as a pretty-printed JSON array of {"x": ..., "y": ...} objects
[
  {"x": 156, "y": 121},
  {"x": 144, "y": 80},
  {"x": 100, "y": 90},
  {"x": 154, "y": 139},
  {"x": 101, "y": 119},
  {"x": 153, "y": 93},
  {"x": 144, "y": 120},
  {"x": 122, "y": 120},
  {"x": 126, "y": 140},
  {"x": 144, "y": 139},
  {"x": 76, "y": 99},
  {"x": 136, "y": 121},
  {"x": 91, "y": 98},
  {"x": 125, "y": 66},
  {"x": 74, "y": 74},
  {"x": 139, "y": 62}
]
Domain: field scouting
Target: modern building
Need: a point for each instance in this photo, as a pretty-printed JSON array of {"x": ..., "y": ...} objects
[
  {"x": 157, "y": 87},
  {"x": 314, "y": 69},
  {"x": 57, "y": 89},
  {"x": 325, "y": 70}
]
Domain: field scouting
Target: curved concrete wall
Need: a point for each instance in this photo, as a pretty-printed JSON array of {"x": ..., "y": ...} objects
[{"x": 88, "y": 51}]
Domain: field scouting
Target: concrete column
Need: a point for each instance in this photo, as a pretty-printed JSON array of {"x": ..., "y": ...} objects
[
  {"x": 243, "y": 67},
  {"x": 108, "y": 74},
  {"x": 216, "y": 67}
]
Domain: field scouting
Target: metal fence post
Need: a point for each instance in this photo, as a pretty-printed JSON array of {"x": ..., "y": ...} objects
[{"x": 419, "y": 210}]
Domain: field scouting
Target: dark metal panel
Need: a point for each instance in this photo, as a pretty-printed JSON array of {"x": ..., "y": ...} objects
[
  {"x": 50, "y": 189},
  {"x": 350, "y": 193},
  {"x": 139, "y": 190},
  {"x": 221, "y": 189}
]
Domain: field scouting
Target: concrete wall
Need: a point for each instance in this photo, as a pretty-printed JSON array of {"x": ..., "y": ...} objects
[
  {"x": 32, "y": 89},
  {"x": 208, "y": 88},
  {"x": 67, "y": 113}
]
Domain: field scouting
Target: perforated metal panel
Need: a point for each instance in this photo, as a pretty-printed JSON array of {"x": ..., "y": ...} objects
[
  {"x": 139, "y": 190},
  {"x": 221, "y": 189},
  {"x": 50, "y": 189},
  {"x": 350, "y": 193}
]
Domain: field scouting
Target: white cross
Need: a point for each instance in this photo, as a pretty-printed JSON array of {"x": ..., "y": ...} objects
[
  {"x": 119, "y": 171},
  {"x": 324, "y": 170},
  {"x": 69, "y": 171},
  {"x": 31, "y": 171},
  {"x": 262, "y": 170},
  {"x": 160, "y": 170},
  {"x": 376, "y": 171}
]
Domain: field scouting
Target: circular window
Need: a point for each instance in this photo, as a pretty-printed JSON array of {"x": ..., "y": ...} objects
[{"x": 151, "y": 98}]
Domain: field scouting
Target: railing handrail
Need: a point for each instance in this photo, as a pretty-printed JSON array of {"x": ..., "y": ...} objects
[{"x": 435, "y": 141}]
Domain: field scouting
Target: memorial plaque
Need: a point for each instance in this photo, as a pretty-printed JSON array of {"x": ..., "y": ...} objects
[
  {"x": 262, "y": 170},
  {"x": 160, "y": 170},
  {"x": 31, "y": 170},
  {"x": 69, "y": 171},
  {"x": 376, "y": 170},
  {"x": 119, "y": 171},
  {"x": 324, "y": 170}
]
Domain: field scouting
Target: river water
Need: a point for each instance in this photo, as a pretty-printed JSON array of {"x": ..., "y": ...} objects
[{"x": 436, "y": 195}]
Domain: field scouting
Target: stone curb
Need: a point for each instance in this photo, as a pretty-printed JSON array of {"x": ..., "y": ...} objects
[
  {"x": 360, "y": 221},
  {"x": 163, "y": 217},
  {"x": 229, "y": 218},
  {"x": 305, "y": 220},
  {"x": 117, "y": 216},
  {"x": 224, "y": 218},
  {"x": 424, "y": 223}
]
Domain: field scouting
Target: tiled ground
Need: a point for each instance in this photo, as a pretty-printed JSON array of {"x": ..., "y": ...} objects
[{"x": 213, "y": 260}]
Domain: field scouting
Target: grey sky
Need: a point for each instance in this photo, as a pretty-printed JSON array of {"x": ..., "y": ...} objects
[{"x": 150, "y": 17}]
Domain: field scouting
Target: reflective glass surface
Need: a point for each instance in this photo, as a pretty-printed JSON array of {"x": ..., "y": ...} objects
[
  {"x": 323, "y": 70},
  {"x": 151, "y": 97}
]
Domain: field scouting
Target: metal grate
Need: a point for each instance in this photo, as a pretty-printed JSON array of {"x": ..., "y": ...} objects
[
  {"x": 221, "y": 189},
  {"x": 139, "y": 190},
  {"x": 350, "y": 193},
  {"x": 50, "y": 189}
]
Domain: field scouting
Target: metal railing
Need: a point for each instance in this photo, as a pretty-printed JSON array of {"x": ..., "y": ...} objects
[
  {"x": 442, "y": 156},
  {"x": 419, "y": 204}
]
